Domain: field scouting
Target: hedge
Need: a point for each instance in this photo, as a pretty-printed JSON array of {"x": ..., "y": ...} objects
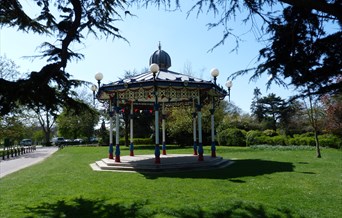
[
  {"x": 232, "y": 137},
  {"x": 254, "y": 137}
]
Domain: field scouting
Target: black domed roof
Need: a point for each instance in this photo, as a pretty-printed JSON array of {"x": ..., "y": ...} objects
[{"x": 161, "y": 58}]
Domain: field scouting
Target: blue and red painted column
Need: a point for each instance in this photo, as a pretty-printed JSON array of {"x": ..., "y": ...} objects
[
  {"x": 194, "y": 116},
  {"x": 163, "y": 130},
  {"x": 131, "y": 145},
  {"x": 110, "y": 156},
  {"x": 200, "y": 145},
  {"x": 156, "y": 126},
  {"x": 213, "y": 146},
  {"x": 117, "y": 131}
]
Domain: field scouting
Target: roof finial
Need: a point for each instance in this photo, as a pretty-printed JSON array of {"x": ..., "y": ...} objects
[{"x": 159, "y": 46}]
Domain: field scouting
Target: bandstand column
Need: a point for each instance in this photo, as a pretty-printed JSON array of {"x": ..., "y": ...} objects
[
  {"x": 213, "y": 147},
  {"x": 214, "y": 73},
  {"x": 117, "y": 131},
  {"x": 163, "y": 129},
  {"x": 194, "y": 116},
  {"x": 110, "y": 129},
  {"x": 156, "y": 126},
  {"x": 131, "y": 145},
  {"x": 154, "y": 68},
  {"x": 200, "y": 142}
]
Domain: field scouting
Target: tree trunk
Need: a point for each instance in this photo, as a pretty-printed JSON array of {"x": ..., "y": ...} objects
[
  {"x": 47, "y": 130},
  {"x": 318, "y": 151},
  {"x": 47, "y": 138}
]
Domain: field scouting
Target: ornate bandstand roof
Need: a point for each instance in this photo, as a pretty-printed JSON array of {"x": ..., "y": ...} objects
[{"x": 172, "y": 87}]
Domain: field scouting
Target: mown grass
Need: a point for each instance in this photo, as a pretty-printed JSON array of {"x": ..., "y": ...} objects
[{"x": 261, "y": 183}]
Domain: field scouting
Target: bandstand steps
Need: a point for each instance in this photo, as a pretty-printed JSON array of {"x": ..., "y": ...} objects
[{"x": 168, "y": 163}]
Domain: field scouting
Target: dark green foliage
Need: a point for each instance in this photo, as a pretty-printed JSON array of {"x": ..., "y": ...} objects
[
  {"x": 271, "y": 110},
  {"x": 74, "y": 125},
  {"x": 51, "y": 86},
  {"x": 270, "y": 132},
  {"x": 329, "y": 140},
  {"x": 302, "y": 140},
  {"x": 326, "y": 140},
  {"x": 139, "y": 141},
  {"x": 265, "y": 138},
  {"x": 278, "y": 140},
  {"x": 303, "y": 48},
  {"x": 232, "y": 137},
  {"x": 252, "y": 137}
]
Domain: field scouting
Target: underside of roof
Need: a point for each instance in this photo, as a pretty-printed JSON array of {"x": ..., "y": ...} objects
[{"x": 172, "y": 88}]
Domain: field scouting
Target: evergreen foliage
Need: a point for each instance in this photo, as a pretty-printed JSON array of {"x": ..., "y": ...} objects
[{"x": 232, "y": 137}]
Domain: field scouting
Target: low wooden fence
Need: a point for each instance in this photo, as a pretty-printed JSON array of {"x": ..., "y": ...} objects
[{"x": 11, "y": 152}]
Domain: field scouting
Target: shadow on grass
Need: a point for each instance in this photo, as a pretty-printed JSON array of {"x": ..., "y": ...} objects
[
  {"x": 234, "y": 172},
  {"x": 85, "y": 208},
  {"x": 81, "y": 207}
]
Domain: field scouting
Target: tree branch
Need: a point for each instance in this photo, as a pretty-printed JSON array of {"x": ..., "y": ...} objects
[{"x": 334, "y": 9}]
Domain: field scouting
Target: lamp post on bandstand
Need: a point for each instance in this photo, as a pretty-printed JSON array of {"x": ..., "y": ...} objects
[
  {"x": 93, "y": 88},
  {"x": 229, "y": 85},
  {"x": 99, "y": 77},
  {"x": 154, "y": 68},
  {"x": 214, "y": 73}
]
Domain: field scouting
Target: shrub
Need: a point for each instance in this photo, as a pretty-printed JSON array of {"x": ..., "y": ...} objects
[
  {"x": 143, "y": 141},
  {"x": 138, "y": 141},
  {"x": 268, "y": 137},
  {"x": 279, "y": 140},
  {"x": 329, "y": 140},
  {"x": 232, "y": 137},
  {"x": 270, "y": 132},
  {"x": 303, "y": 139},
  {"x": 308, "y": 134},
  {"x": 326, "y": 140},
  {"x": 253, "y": 137},
  {"x": 308, "y": 141}
]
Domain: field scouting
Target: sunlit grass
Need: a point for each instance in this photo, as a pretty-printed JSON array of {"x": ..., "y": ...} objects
[{"x": 261, "y": 182}]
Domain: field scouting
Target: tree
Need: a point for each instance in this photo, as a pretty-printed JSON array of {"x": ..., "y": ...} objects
[
  {"x": 234, "y": 118},
  {"x": 302, "y": 47},
  {"x": 333, "y": 110},
  {"x": 314, "y": 113},
  {"x": 292, "y": 120},
  {"x": 72, "y": 124},
  {"x": 271, "y": 110},
  {"x": 72, "y": 19},
  {"x": 179, "y": 122},
  {"x": 46, "y": 121},
  {"x": 8, "y": 69},
  {"x": 302, "y": 52},
  {"x": 11, "y": 127},
  {"x": 255, "y": 106}
]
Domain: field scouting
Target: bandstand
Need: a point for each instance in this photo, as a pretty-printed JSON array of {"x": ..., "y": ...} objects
[{"x": 156, "y": 90}]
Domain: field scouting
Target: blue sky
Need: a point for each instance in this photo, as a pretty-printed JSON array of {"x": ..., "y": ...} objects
[{"x": 186, "y": 40}]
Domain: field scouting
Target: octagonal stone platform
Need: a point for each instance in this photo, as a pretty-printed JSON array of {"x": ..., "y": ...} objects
[{"x": 169, "y": 163}]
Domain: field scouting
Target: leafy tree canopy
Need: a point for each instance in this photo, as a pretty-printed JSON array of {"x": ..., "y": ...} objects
[
  {"x": 51, "y": 85},
  {"x": 300, "y": 48}
]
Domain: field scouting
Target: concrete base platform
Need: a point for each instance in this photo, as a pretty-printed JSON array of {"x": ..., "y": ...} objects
[{"x": 169, "y": 163}]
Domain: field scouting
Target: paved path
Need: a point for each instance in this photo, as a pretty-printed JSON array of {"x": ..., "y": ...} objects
[{"x": 28, "y": 159}]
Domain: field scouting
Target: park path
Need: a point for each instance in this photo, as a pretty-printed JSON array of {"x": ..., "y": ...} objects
[{"x": 12, "y": 165}]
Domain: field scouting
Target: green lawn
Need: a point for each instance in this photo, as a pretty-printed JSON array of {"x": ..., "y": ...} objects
[{"x": 261, "y": 183}]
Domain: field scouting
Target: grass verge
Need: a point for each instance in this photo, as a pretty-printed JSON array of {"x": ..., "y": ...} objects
[{"x": 261, "y": 183}]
